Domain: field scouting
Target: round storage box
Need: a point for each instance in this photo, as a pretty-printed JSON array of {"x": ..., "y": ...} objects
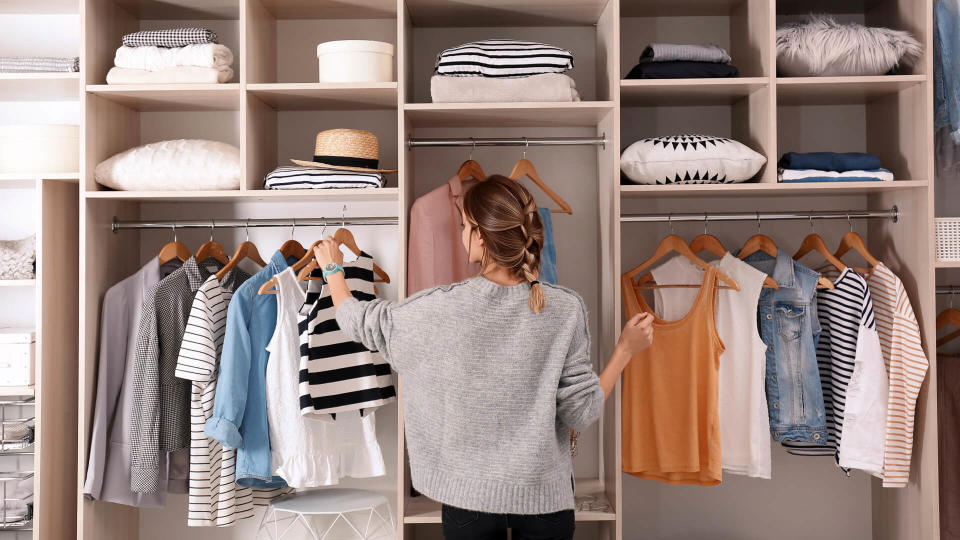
[
  {"x": 355, "y": 60},
  {"x": 39, "y": 148}
]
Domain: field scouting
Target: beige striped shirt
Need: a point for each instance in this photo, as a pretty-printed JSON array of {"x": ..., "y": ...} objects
[{"x": 906, "y": 366}]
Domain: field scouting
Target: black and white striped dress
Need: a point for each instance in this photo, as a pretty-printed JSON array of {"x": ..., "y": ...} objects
[
  {"x": 503, "y": 58},
  {"x": 841, "y": 312},
  {"x": 215, "y": 499},
  {"x": 337, "y": 374}
]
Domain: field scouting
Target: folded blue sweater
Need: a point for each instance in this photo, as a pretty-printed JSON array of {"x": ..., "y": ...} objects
[{"x": 830, "y": 161}]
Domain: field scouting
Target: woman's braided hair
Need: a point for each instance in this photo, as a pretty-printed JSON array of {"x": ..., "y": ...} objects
[{"x": 506, "y": 215}]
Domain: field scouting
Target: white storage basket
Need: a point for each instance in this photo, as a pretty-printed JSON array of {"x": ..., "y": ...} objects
[
  {"x": 17, "y": 348},
  {"x": 948, "y": 239},
  {"x": 355, "y": 60}
]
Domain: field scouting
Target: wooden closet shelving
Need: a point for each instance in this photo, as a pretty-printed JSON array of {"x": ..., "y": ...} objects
[{"x": 274, "y": 108}]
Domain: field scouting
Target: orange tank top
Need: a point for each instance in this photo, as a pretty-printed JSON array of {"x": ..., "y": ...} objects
[{"x": 671, "y": 427}]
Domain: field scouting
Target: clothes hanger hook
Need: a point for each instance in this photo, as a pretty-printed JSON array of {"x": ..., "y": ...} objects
[
  {"x": 213, "y": 227},
  {"x": 246, "y": 229},
  {"x": 706, "y": 220},
  {"x": 343, "y": 216},
  {"x": 474, "y": 141},
  {"x": 174, "y": 227},
  {"x": 324, "y": 230},
  {"x": 850, "y": 222},
  {"x": 758, "y": 222},
  {"x": 812, "y": 229},
  {"x": 670, "y": 222},
  {"x": 293, "y": 228},
  {"x": 526, "y": 144}
]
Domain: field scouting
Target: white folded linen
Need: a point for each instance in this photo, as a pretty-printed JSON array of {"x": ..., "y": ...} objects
[
  {"x": 544, "y": 87},
  {"x": 809, "y": 175},
  {"x": 156, "y": 58},
  {"x": 173, "y": 75}
]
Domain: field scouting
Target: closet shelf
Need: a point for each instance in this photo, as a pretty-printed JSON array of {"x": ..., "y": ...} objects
[
  {"x": 946, "y": 264},
  {"x": 661, "y": 92},
  {"x": 766, "y": 189},
  {"x": 39, "y": 6},
  {"x": 171, "y": 97},
  {"x": 39, "y": 86},
  {"x": 583, "y": 113},
  {"x": 334, "y": 96},
  {"x": 311, "y": 9},
  {"x": 459, "y": 13},
  {"x": 17, "y": 282},
  {"x": 675, "y": 8},
  {"x": 841, "y": 90},
  {"x": 313, "y": 195},
  {"x": 29, "y": 179},
  {"x": 182, "y": 9},
  {"x": 6, "y": 391}
]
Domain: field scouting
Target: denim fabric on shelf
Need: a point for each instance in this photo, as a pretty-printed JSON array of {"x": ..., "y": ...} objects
[
  {"x": 548, "y": 253},
  {"x": 789, "y": 327},
  {"x": 946, "y": 71}
]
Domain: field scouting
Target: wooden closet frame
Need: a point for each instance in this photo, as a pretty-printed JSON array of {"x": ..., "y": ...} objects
[{"x": 110, "y": 123}]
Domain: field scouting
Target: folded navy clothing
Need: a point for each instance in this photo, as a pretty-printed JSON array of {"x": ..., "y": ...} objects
[
  {"x": 681, "y": 70},
  {"x": 830, "y": 161}
]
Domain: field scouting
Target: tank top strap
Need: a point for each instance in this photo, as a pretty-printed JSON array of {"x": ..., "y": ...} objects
[{"x": 706, "y": 307}]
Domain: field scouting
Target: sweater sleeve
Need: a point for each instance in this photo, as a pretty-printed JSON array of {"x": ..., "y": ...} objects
[
  {"x": 579, "y": 394},
  {"x": 370, "y": 324}
]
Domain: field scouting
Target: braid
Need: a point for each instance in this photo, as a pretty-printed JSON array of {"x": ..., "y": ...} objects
[{"x": 531, "y": 255}]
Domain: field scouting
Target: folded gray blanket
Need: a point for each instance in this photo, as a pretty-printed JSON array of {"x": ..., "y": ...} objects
[
  {"x": 670, "y": 52},
  {"x": 39, "y": 64},
  {"x": 544, "y": 87},
  {"x": 173, "y": 37}
]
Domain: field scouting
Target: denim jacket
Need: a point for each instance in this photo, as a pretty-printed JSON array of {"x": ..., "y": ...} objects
[
  {"x": 946, "y": 49},
  {"x": 789, "y": 327},
  {"x": 240, "y": 407}
]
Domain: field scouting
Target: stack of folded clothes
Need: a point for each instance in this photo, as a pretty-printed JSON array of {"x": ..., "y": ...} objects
[
  {"x": 673, "y": 61},
  {"x": 796, "y": 167},
  {"x": 39, "y": 64},
  {"x": 177, "y": 55},
  {"x": 298, "y": 177},
  {"x": 503, "y": 71}
]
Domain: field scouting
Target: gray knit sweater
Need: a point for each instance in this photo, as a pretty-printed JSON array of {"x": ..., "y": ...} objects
[{"x": 489, "y": 390}]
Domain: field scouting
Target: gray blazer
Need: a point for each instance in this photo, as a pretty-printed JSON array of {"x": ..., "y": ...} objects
[{"x": 108, "y": 468}]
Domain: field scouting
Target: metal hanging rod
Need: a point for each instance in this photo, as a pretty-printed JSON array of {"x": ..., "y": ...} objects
[
  {"x": 601, "y": 141},
  {"x": 950, "y": 289},
  {"x": 893, "y": 214},
  {"x": 251, "y": 223}
]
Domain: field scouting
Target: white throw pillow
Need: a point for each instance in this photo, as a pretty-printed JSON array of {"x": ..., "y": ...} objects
[
  {"x": 179, "y": 165},
  {"x": 689, "y": 159}
]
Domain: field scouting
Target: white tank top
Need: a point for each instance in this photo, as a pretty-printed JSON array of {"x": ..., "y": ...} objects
[{"x": 744, "y": 419}]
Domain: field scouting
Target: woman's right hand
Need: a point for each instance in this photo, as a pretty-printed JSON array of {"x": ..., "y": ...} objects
[{"x": 637, "y": 334}]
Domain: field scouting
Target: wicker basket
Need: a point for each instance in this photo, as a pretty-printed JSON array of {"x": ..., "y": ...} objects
[{"x": 948, "y": 239}]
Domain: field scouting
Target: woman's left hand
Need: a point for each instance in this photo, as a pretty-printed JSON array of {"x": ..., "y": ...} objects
[{"x": 328, "y": 251}]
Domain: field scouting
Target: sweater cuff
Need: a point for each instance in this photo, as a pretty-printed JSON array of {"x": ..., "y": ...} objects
[{"x": 223, "y": 430}]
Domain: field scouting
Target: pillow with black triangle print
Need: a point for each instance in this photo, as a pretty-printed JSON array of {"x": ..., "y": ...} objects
[{"x": 689, "y": 159}]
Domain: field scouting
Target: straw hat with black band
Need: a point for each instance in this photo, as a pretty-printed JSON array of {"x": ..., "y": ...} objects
[{"x": 346, "y": 149}]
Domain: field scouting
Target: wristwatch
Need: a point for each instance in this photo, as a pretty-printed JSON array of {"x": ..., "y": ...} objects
[{"x": 331, "y": 268}]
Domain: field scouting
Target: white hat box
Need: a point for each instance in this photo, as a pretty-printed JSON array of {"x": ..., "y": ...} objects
[
  {"x": 17, "y": 352},
  {"x": 355, "y": 60},
  {"x": 39, "y": 148}
]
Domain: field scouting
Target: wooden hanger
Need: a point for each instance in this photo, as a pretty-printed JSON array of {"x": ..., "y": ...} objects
[
  {"x": 813, "y": 242},
  {"x": 525, "y": 167},
  {"x": 710, "y": 243},
  {"x": 211, "y": 249},
  {"x": 173, "y": 250},
  {"x": 270, "y": 287},
  {"x": 246, "y": 250},
  {"x": 345, "y": 237},
  {"x": 762, "y": 242},
  {"x": 471, "y": 169},
  {"x": 292, "y": 249},
  {"x": 946, "y": 318},
  {"x": 674, "y": 243},
  {"x": 853, "y": 241}
]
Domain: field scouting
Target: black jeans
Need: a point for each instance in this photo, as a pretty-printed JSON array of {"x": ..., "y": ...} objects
[{"x": 460, "y": 524}]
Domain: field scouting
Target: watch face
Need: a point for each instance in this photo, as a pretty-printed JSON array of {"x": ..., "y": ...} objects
[{"x": 330, "y": 267}]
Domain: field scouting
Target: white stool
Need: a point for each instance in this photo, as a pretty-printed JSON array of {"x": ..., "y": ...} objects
[{"x": 337, "y": 502}]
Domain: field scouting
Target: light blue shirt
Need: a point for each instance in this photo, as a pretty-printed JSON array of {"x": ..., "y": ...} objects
[{"x": 240, "y": 407}]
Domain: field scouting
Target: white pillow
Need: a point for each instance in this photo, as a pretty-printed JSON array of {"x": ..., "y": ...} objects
[
  {"x": 180, "y": 165},
  {"x": 689, "y": 159}
]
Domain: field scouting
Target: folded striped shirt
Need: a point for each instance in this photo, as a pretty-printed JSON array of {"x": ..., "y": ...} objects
[
  {"x": 503, "y": 58},
  {"x": 173, "y": 37},
  {"x": 813, "y": 175},
  {"x": 39, "y": 64},
  {"x": 296, "y": 177}
]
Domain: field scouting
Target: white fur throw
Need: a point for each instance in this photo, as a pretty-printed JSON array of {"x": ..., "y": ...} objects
[
  {"x": 822, "y": 47},
  {"x": 16, "y": 258}
]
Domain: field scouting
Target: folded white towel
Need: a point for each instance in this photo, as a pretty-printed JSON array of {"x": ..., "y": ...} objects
[
  {"x": 174, "y": 75},
  {"x": 156, "y": 58},
  {"x": 544, "y": 87}
]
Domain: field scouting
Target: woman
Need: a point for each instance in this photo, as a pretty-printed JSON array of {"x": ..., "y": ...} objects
[{"x": 496, "y": 371}]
